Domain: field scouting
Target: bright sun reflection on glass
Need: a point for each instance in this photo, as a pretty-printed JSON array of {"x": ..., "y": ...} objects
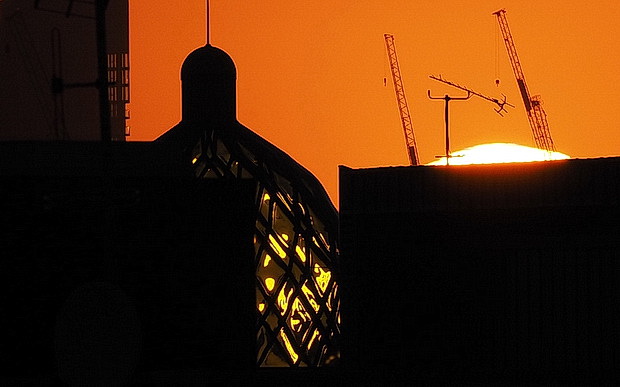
[{"x": 499, "y": 153}]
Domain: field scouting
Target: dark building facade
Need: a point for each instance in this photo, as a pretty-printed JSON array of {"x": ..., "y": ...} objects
[
  {"x": 493, "y": 274},
  {"x": 49, "y": 69},
  {"x": 120, "y": 268},
  {"x": 296, "y": 245},
  {"x": 202, "y": 257}
]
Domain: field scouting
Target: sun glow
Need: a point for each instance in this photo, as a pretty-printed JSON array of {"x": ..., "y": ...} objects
[{"x": 499, "y": 153}]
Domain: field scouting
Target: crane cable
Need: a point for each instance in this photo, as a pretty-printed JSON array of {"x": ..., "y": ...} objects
[
  {"x": 384, "y": 69},
  {"x": 497, "y": 80}
]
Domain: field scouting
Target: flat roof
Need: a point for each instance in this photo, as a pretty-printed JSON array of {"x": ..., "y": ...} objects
[
  {"x": 86, "y": 158},
  {"x": 573, "y": 182}
]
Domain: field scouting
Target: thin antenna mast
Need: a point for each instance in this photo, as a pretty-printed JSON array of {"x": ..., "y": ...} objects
[{"x": 208, "y": 24}]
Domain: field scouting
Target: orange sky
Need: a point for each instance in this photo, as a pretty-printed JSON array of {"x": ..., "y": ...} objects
[{"x": 310, "y": 74}]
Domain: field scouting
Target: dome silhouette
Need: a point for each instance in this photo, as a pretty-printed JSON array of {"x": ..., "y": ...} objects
[
  {"x": 208, "y": 62},
  {"x": 295, "y": 234},
  {"x": 208, "y": 77}
]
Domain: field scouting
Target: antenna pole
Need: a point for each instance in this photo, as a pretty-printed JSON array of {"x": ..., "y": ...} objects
[
  {"x": 208, "y": 24},
  {"x": 447, "y": 99}
]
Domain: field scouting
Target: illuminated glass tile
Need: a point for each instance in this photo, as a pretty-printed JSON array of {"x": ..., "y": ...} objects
[
  {"x": 313, "y": 338},
  {"x": 301, "y": 208},
  {"x": 266, "y": 260},
  {"x": 322, "y": 237},
  {"x": 321, "y": 277},
  {"x": 289, "y": 347},
  {"x": 275, "y": 245},
  {"x": 299, "y": 250},
  {"x": 270, "y": 283},
  {"x": 316, "y": 242},
  {"x": 310, "y": 297},
  {"x": 284, "y": 297},
  {"x": 299, "y": 319},
  {"x": 332, "y": 300},
  {"x": 265, "y": 207},
  {"x": 284, "y": 202}
]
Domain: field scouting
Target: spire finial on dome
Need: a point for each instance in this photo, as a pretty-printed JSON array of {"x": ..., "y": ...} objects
[{"x": 208, "y": 23}]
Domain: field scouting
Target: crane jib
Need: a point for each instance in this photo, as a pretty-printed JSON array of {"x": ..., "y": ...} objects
[
  {"x": 524, "y": 94},
  {"x": 535, "y": 113},
  {"x": 403, "y": 108}
]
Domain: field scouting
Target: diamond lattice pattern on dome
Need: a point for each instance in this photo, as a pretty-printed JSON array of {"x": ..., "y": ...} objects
[{"x": 297, "y": 300}]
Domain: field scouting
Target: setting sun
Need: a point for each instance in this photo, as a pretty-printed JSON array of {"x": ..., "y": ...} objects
[{"x": 499, "y": 153}]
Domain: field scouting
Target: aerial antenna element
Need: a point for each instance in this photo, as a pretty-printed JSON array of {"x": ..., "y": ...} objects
[{"x": 501, "y": 105}]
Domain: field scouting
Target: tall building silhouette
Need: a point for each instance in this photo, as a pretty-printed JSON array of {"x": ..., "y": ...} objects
[
  {"x": 504, "y": 274},
  {"x": 297, "y": 299},
  {"x": 49, "y": 69},
  {"x": 206, "y": 256}
]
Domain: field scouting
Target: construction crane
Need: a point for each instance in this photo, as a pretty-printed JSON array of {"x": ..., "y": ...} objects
[
  {"x": 501, "y": 105},
  {"x": 403, "y": 108},
  {"x": 533, "y": 105}
]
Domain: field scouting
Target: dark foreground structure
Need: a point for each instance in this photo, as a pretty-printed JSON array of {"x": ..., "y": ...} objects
[
  {"x": 50, "y": 72},
  {"x": 119, "y": 268},
  {"x": 208, "y": 256},
  {"x": 493, "y": 274}
]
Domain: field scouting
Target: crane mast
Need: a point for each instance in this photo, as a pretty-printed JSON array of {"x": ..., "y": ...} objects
[
  {"x": 403, "y": 107},
  {"x": 533, "y": 105}
]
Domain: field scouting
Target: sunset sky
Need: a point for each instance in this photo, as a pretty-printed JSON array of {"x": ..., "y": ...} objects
[{"x": 311, "y": 74}]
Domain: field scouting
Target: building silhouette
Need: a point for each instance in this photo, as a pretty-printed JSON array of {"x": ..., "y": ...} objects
[
  {"x": 205, "y": 256},
  {"x": 502, "y": 274},
  {"x": 119, "y": 268},
  {"x": 209, "y": 256},
  {"x": 296, "y": 229},
  {"x": 49, "y": 69}
]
